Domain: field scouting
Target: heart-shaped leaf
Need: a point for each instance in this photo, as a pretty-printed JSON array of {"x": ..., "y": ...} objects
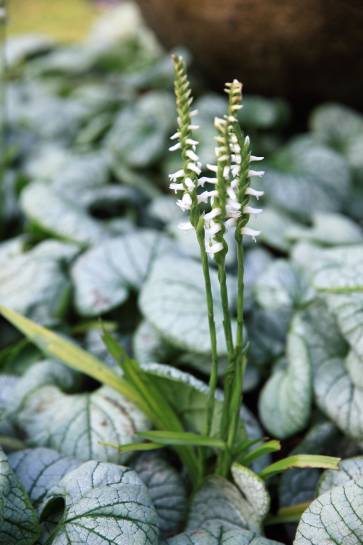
[
  {"x": 18, "y": 522},
  {"x": 104, "y": 504},
  {"x": 173, "y": 301},
  {"x": 166, "y": 488},
  {"x": 104, "y": 276},
  {"x": 42, "y": 268},
  {"x": 255, "y": 496},
  {"x": 40, "y": 469},
  {"x": 350, "y": 469},
  {"x": 285, "y": 401}
]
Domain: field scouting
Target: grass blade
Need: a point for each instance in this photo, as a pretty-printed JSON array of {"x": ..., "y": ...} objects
[{"x": 300, "y": 461}]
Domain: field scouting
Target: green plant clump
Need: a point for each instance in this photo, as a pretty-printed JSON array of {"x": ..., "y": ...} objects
[{"x": 178, "y": 364}]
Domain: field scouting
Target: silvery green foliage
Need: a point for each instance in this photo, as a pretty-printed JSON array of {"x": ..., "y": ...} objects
[
  {"x": 255, "y": 497},
  {"x": 312, "y": 178},
  {"x": 148, "y": 122},
  {"x": 166, "y": 488},
  {"x": 215, "y": 534},
  {"x": 68, "y": 217},
  {"x": 275, "y": 226},
  {"x": 267, "y": 331},
  {"x": 104, "y": 276},
  {"x": 336, "y": 125},
  {"x": 334, "y": 517},
  {"x": 219, "y": 515},
  {"x": 104, "y": 504},
  {"x": 285, "y": 401},
  {"x": 297, "y": 486},
  {"x": 7, "y": 385},
  {"x": 39, "y": 469},
  {"x": 71, "y": 423},
  {"x": 283, "y": 285},
  {"x": 188, "y": 397},
  {"x": 328, "y": 230},
  {"x": 350, "y": 469},
  {"x": 42, "y": 268},
  {"x": 20, "y": 48},
  {"x": 77, "y": 424},
  {"x": 148, "y": 345},
  {"x": 173, "y": 301},
  {"x": 18, "y": 522}
]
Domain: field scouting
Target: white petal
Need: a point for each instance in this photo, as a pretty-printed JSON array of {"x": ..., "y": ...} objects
[
  {"x": 234, "y": 205},
  {"x": 194, "y": 168},
  {"x": 189, "y": 183},
  {"x": 226, "y": 171},
  {"x": 236, "y": 107},
  {"x": 175, "y": 147},
  {"x": 185, "y": 226},
  {"x": 206, "y": 195},
  {"x": 254, "y": 192},
  {"x": 255, "y": 158},
  {"x": 212, "y": 229},
  {"x": 250, "y": 210},
  {"x": 231, "y": 222},
  {"x": 250, "y": 232},
  {"x": 212, "y": 168},
  {"x": 205, "y": 179},
  {"x": 258, "y": 173},
  {"x": 175, "y": 136},
  {"x": 192, "y": 142},
  {"x": 214, "y": 248},
  {"x": 193, "y": 113},
  {"x": 178, "y": 174},
  {"x": 176, "y": 187},
  {"x": 193, "y": 127},
  {"x": 219, "y": 123},
  {"x": 231, "y": 193},
  {"x": 247, "y": 141},
  {"x": 191, "y": 155},
  {"x": 231, "y": 118},
  {"x": 212, "y": 214}
]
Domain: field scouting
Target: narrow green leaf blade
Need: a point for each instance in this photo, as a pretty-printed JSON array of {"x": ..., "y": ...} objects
[
  {"x": 301, "y": 461},
  {"x": 266, "y": 448},
  {"x": 182, "y": 438},
  {"x": 133, "y": 447}
]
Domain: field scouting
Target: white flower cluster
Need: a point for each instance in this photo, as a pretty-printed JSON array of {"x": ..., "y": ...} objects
[
  {"x": 234, "y": 209},
  {"x": 186, "y": 180}
]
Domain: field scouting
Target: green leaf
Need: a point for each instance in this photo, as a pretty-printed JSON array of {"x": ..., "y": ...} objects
[
  {"x": 216, "y": 534},
  {"x": 255, "y": 496},
  {"x": 80, "y": 425},
  {"x": 350, "y": 470},
  {"x": 103, "y": 503},
  {"x": 336, "y": 125},
  {"x": 149, "y": 122},
  {"x": 301, "y": 461},
  {"x": 43, "y": 269},
  {"x": 328, "y": 230},
  {"x": 133, "y": 447},
  {"x": 58, "y": 347},
  {"x": 283, "y": 285},
  {"x": 173, "y": 301},
  {"x": 166, "y": 488},
  {"x": 334, "y": 517},
  {"x": 105, "y": 275},
  {"x": 285, "y": 401},
  {"x": 18, "y": 522},
  {"x": 297, "y": 487},
  {"x": 267, "y": 448},
  {"x": 182, "y": 438},
  {"x": 39, "y": 469},
  {"x": 308, "y": 178}
]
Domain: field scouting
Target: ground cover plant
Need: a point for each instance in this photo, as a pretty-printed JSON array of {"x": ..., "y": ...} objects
[{"x": 211, "y": 403}]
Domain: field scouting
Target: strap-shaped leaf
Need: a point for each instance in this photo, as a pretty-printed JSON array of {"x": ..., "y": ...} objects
[
  {"x": 18, "y": 522},
  {"x": 166, "y": 488},
  {"x": 40, "y": 469},
  {"x": 173, "y": 301},
  {"x": 285, "y": 401},
  {"x": 104, "y": 504},
  {"x": 104, "y": 276},
  {"x": 335, "y": 517}
]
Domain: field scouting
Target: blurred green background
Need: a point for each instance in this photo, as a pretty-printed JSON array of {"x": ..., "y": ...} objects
[{"x": 65, "y": 20}]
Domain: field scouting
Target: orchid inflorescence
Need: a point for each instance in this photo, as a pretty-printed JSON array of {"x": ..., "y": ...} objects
[{"x": 228, "y": 201}]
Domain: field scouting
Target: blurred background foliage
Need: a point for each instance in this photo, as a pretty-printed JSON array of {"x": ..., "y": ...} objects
[{"x": 65, "y": 20}]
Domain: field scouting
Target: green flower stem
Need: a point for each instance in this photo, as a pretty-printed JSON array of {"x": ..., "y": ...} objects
[
  {"x": 240, "y": 356},
  {"x": 212, "y": 327}
]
